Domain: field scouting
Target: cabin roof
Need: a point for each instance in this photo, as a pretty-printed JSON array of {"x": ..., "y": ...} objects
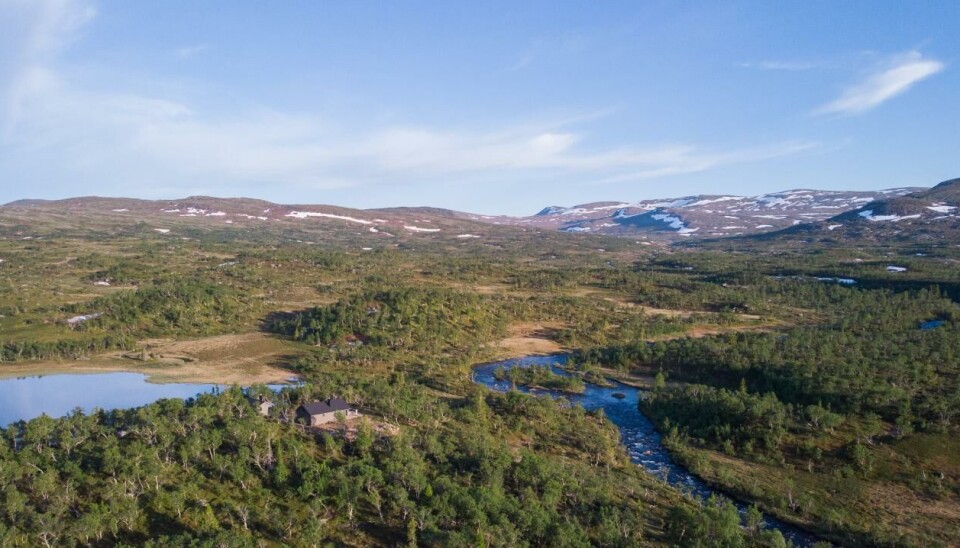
[{"x": 331, "y": 405}]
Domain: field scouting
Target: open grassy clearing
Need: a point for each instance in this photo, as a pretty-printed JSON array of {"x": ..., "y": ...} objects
[
  {"x": 527, "y": 339},
  {"x": 245, "y": 359}
]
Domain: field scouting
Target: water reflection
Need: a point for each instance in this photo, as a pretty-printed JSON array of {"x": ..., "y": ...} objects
[{"x": 57, "y": 395}]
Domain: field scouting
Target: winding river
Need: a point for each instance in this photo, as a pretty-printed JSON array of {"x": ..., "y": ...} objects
[{"x": 637, "y": 433}]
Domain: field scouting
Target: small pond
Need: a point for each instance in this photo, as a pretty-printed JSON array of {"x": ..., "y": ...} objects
[
  {"x": 25, "y": 398},
  {"x": 931, "y": 324},
  {"x": 841, "y": 281}
]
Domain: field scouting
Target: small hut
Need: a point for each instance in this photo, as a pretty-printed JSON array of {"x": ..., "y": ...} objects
[{"x": 321, "y": 412}]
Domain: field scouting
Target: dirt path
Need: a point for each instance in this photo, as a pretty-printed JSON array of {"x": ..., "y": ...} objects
[{"x": 248, "y": 358}]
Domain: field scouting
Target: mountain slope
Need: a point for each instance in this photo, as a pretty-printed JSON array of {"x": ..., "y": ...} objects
[{"x": 926, "y": 216}]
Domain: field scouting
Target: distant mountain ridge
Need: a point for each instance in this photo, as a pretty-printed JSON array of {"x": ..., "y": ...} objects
[
  {"x": 928, "y": 215},
  {"x": 703, "y": 216},
  {"x": 174, "y": 217},
  {"x": 800, "y": 213}
]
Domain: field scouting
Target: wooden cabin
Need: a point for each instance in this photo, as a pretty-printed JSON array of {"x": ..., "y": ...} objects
[{"x": 321, "y": 412}]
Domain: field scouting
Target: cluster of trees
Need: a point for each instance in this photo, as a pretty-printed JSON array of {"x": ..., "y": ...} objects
[
  {"x": 717, "y": 522},
  {"x": 826, "y": 401},
  {"x": 212, "y": 471},
  {"x": 871, "y": 358},
  {"x": 64, "y": 348},
  {"x": 541, "y": 376},
  {"x": 429, "y": 319},
  {"x": 733, "y": 420},
  {"x": 182, "y": 306}
]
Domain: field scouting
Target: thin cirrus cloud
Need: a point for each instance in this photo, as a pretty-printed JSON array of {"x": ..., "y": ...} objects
[{"x": 898, "y": 75}]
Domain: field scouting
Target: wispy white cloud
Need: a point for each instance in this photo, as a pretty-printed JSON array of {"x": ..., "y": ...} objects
[
  {"x": 187, "y": 52},
  {"x": 545, "y": 48},
  {"x": 897, "y": 76},
  {"x": 122, "y": 139},
  {"x": 33, "y": 33},
  {"x": 681, "y": 160},
  {"x": 525, "y": 60},
  {"x": 781, "y": 65}
]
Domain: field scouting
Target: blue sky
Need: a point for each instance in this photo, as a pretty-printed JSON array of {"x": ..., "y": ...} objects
[{"x": 490, "y": 107}]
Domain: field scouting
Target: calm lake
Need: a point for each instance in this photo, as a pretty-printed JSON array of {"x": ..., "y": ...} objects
[{"x": 57, "y": 395}]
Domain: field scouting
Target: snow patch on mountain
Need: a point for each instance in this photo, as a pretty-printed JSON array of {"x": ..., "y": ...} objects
[
  {"x": 605, "y": 207},
  {"x": 306, "y": 214},
  {"x": 713, "y": 201},
  {"x": 868, "y": 215},
  {"x": 675, "y": 223},
  {"x": 681, "y": 202},
  {"x": 551, "y": 210}
]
